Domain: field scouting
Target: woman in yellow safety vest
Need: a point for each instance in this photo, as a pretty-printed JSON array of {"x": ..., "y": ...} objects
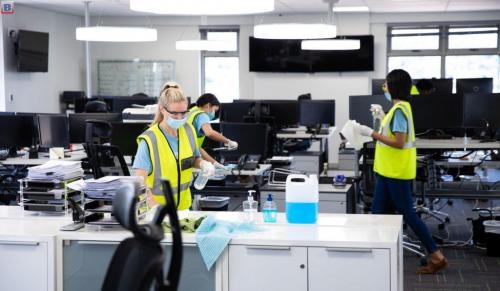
[
  {"x": 168, "y": 150},
  {"x": 200, "y": 116},
  {"x": 395, "y": 164}
]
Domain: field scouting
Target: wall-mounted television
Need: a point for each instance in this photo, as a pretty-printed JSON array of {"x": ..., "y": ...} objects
[
  {"x": 278, "y": 55},
  {"x": 32, "y": 51}
]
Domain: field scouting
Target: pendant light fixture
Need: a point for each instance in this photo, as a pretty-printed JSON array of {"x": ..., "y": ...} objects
[
  {"x": 114, "y": 33},
  {"x": 296, "y": 30},
  {"x": 331, "y": 44},
  {"x": 202, "y": 7}
]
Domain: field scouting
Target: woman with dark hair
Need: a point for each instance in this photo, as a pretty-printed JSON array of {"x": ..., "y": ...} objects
[
  {"x": 396, "y": 164},
  {"x": 200, "y": 116}
]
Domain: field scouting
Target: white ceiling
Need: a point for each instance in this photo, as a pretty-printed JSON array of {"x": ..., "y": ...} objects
[{"x": 120, "y": 7}]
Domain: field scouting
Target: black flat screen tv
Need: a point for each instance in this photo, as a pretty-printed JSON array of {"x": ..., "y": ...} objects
[
  {"x": 278, "y": 55},
  {"x": 32, "y": 50}
]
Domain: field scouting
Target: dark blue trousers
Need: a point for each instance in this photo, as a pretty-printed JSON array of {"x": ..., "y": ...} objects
[{"x": 396, "y": 194}]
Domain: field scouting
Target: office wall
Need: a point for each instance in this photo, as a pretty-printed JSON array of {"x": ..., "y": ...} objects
[{"x": 39, "y": 92}]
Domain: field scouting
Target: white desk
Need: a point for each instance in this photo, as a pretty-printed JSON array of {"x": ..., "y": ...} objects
[
  {"x": 455, "y": 143},
  {"x": 25, "y": 161},
  {"x": 334, "y": 253},
  {"x": 303, "y": 134},
  {"x": 261, "y": 170}
]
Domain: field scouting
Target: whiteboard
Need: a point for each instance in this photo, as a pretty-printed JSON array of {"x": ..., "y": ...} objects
[{"x": 127, "y": 77}]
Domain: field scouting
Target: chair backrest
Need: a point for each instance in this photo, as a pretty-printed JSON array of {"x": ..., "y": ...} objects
[
  {"x": 107, "y": 160},
  {"x": 96, "y": 106},
  {"x": 97, "y": 131},
  {"x": 138, "y": 262}
]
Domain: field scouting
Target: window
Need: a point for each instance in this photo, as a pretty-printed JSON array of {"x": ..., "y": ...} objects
[
  {"x": 419, "y": 67},
  {"x": 445, "y": 51},
  {"x": 220, "y": 69}
]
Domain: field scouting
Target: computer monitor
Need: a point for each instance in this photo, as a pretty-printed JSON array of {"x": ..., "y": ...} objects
[
  {"x": 359, "y": 107},
  {"x": 235, "y": 112},
  {"x": 437, "y": 111},
  {"x": 377, "y": 86},
  {"x": 442, "y": 86},
  {"x": 16, "y": 131},
  {"x": 251, "y": 138},
  {"x": 315, "y": 112},
  {"x": 77, "y": 123},
  {"x": 118, "y": 104},
  {"x": 124, "y": 136},
  {"x": 53, "y": 130},
  {"x": 475, "y": 85},
  {"x": 481, "y": 108},
  {"x": 285, "y": 112}
]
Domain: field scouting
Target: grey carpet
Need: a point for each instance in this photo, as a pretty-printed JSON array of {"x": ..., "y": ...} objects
[{"x": 470, "y": 267}]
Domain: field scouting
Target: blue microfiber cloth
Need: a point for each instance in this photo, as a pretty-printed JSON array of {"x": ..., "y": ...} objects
[{"x": 214, "y": 235}]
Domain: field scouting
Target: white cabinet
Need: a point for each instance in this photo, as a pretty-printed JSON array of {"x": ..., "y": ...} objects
[
  {"x": 276, "y": 268},
  {"x": 24, "y": 265},
  {"x": 349, "y": 269},
  {"x": 267, "y": 268}
]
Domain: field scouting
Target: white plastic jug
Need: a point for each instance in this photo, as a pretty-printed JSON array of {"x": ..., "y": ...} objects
[{"x": 302, "y": 198}]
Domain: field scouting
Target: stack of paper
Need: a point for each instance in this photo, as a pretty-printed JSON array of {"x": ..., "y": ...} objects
[
  {"x": 56, "y": 170},
  {"x": 106, "y": 187}
]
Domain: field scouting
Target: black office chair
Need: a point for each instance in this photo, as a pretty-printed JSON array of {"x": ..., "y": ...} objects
[
  {"x": 96, "y": 106},
  {"x": 105, "y": 159},
  {"x": 138, "y": 261},
  {"x": 306, "y": 96}
]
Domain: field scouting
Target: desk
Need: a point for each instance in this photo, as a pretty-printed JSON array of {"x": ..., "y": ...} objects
[
  {"x": 323, "y": 139},
  {"x": 331, "y": 199},
  {"x": 25, "y": 161},
  {"x": 432, "y": 186},
  {"x": 455, "y": 144},
  {"x": 303, "y": 134},
  {"x": 78, "y": 260}
]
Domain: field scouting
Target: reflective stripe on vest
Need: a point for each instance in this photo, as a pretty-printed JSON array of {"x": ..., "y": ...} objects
[
  {"x": 166, "y": 166},
  {"x": 392, "y": 162},
  {"x": 193, "y": 112}
]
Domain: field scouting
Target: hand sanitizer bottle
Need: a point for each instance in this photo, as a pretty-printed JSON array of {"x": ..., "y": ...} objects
[
  {"x": 249, "y": 207},
  {"x": 269, "y": 210}
]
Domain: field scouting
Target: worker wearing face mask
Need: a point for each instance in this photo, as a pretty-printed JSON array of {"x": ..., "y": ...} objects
[
  {"x": 168, "y": 150},
  {"x": 200, "y": 116},
  {"x": 395, "y": 164}
]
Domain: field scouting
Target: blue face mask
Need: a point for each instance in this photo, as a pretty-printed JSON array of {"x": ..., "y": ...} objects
[
  {"x": 388, "y": 96},
  {"x": 176, "y": 123},
  {"x": 211, "y": 114}
]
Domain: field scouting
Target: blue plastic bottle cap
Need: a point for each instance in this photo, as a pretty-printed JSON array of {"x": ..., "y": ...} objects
[{"x": 269, "y": 197}]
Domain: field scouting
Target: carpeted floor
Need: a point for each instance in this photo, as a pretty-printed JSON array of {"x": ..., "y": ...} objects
[{"x": 470, "y": 268}]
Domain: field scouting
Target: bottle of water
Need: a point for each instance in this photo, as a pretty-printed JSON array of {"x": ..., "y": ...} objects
[
  {"x": 200, "y": 181},
  {"x": 269, "y": 210},
  {"x": 249, "y": 207}
]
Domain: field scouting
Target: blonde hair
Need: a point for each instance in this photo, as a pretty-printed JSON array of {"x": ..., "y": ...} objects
[
  {"x": 171, "y": 84},
  {"x": 168, "y": 96}
]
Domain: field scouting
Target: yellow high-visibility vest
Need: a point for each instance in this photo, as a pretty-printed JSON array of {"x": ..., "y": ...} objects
[
  {"x": 396, "y": 163},
  {"x": 178, "y": 172},
  {"x": 193, "y": 112}
]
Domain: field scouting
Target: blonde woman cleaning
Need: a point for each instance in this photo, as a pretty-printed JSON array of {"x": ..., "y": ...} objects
[{"x": 168, "y": 150}]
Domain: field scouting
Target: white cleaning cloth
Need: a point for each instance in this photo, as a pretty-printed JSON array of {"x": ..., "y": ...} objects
[{"x": 351, "y": 133}]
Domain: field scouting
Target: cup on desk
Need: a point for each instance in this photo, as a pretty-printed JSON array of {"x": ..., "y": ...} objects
[{"x": 56, "y": 153}]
